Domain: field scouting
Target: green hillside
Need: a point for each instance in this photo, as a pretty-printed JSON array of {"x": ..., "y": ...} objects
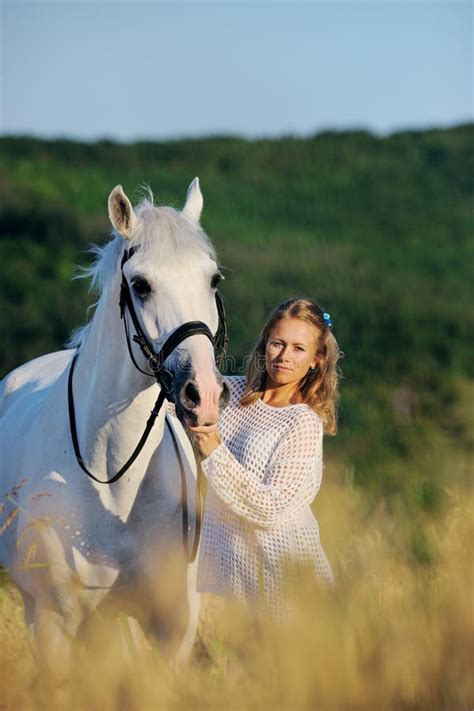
[{"x": 378, "y": 229}]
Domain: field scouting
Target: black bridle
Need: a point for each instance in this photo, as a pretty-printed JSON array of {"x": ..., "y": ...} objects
[
  {"x": 191, "y": 328},
  {"x": 164, "y": 379}
]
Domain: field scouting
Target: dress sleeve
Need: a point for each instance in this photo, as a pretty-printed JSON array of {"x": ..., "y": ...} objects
[{"x": 292, "y": 476}]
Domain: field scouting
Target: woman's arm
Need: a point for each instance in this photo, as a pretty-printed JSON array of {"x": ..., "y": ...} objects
[{"x": 292, "y": 478}]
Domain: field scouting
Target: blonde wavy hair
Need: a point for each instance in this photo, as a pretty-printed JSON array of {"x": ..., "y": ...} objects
[{"x": 320, "y": 387}]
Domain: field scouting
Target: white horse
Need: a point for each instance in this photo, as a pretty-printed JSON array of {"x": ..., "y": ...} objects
[{"x": 68, "y": 541}]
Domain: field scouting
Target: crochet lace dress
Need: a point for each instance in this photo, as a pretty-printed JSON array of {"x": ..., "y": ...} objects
[{"x": 262, "y": 479}]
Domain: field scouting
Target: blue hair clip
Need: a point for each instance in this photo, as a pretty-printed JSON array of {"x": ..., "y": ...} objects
[{"x": 327, "y": 319}]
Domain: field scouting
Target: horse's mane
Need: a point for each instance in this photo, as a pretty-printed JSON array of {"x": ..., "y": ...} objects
[{"x": 177, "y": 234}]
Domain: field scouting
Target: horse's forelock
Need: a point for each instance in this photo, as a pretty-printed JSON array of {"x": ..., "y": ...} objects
[{"x": 163, "y": 233}]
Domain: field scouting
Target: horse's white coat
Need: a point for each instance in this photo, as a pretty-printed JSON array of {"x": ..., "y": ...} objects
[{"x": 73, "y": 540}]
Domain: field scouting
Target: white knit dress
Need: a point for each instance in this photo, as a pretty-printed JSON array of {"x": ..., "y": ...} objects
[{"x": 262, "y": 479}]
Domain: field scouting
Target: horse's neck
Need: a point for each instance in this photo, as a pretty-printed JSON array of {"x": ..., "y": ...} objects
[
  {"x": 113, "y": 401},
  {"x": 104, "y": 367}
]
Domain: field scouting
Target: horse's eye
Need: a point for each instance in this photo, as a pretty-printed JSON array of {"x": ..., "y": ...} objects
[
  {"x": 141, "y": 287},
  {"x": 216, "y": 279}
]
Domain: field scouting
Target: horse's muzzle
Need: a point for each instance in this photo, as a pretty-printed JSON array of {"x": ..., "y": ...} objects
[{"x": 201, "y": 403}]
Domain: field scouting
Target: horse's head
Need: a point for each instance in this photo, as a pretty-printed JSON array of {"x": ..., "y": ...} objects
[{"x": 172, "y": 275}]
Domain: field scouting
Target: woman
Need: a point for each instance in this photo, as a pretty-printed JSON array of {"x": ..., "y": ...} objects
[{"x": 263, "y": 461}]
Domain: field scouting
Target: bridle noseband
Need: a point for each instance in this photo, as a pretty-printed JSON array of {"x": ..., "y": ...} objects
[{"x": 164, "y": 379}]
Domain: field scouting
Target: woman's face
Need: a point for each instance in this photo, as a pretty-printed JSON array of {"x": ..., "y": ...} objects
[{"x": 290, "y": 351}]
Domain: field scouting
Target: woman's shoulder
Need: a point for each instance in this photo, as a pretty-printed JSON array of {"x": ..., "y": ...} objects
[{"x": 303, "y": 416}]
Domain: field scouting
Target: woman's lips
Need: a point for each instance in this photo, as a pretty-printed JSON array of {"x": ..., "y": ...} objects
[{"x": 281, "y": 367}]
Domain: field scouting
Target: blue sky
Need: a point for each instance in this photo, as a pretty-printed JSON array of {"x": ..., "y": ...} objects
[{"x": 126, "y": 70}]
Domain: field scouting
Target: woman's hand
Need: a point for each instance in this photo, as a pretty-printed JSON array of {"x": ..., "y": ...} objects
[{"x": 206, "y": 438}]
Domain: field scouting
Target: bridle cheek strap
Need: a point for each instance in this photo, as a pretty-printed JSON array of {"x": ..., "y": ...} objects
[{"x": 156, "y": 361}]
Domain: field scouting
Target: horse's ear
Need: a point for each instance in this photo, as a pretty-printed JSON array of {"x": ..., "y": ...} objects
[
  {"x": 121, "y": 212},
  {"x": 194, "y": 201}
]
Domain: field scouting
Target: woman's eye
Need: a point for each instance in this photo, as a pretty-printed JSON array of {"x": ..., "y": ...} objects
[
  {"x": 215, "y": 281},
  {"x": 141, "y": 287}
]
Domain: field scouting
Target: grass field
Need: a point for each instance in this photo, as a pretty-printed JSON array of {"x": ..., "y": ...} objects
[{"x": 395, "y": 633}]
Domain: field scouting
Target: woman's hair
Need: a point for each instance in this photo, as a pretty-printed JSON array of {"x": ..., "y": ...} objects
[{"x": 319, "y": 387}]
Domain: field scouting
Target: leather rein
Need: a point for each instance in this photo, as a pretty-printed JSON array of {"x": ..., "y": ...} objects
[{"x": 164, "y": 379}]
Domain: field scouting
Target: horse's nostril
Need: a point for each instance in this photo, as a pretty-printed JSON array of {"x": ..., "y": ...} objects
[{"x": 191, "y": 393}]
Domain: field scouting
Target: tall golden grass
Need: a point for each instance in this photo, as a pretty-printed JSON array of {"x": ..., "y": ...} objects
[{"x": 395, "y": 633}]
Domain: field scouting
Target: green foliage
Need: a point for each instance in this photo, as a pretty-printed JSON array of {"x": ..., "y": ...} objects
[{"x": 378, "y": 229}]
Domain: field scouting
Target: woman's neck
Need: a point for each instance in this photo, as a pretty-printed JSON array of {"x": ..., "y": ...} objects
[{"x": 282, "y": 395}]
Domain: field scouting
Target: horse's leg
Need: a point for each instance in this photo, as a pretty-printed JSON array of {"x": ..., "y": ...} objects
[
  {"x": 29, "y": 607},
  {"x": 134, "y": 640},
  {"x": 173, "y": 626},
  {"x": 58, "y": 610},
  {"x": 54, "y": 631}
]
